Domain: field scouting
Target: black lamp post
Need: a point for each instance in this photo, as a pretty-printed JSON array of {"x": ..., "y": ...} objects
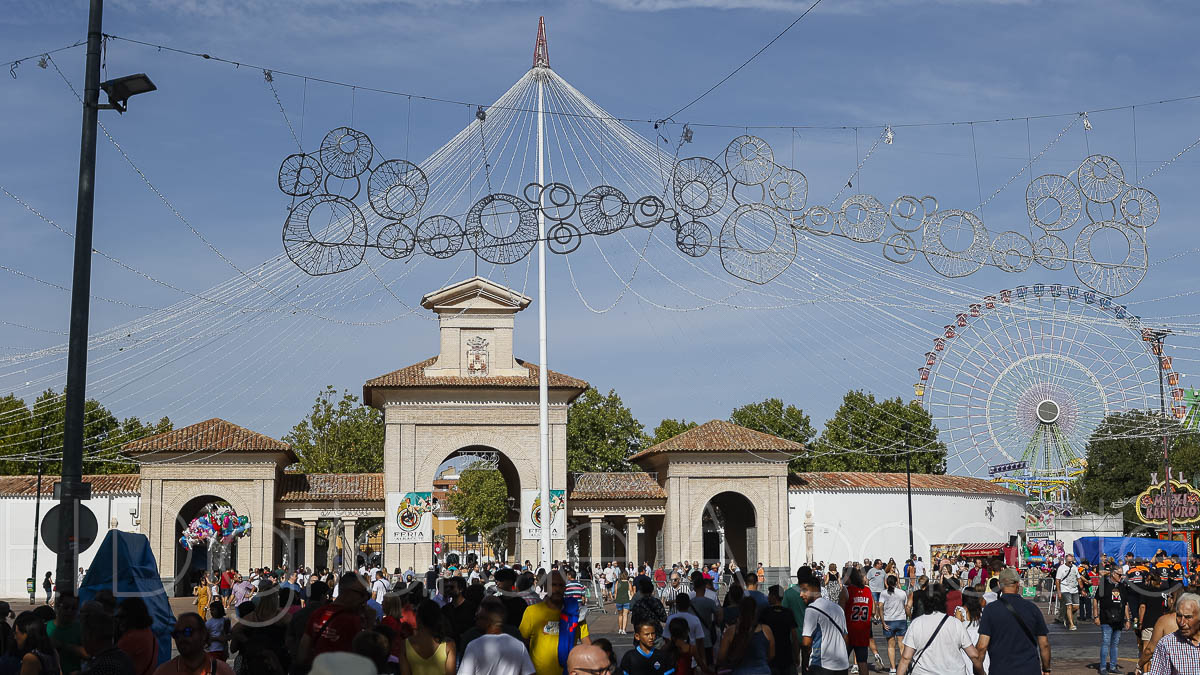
[
  {"x": 912, "y": 551},
  {"x": 73, "y": 490}
]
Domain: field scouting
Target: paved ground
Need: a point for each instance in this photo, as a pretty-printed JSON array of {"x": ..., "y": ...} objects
[{"x": 1073, "y": 652}]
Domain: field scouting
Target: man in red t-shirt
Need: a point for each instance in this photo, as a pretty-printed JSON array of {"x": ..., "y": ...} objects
[
  {"x": 859, "y": 607},
  {"x": 332, "y": 628},
  {"x": 226, "y": 585}
]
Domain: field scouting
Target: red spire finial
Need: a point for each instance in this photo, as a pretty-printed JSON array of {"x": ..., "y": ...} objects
[{"x": 541, "y": 53}]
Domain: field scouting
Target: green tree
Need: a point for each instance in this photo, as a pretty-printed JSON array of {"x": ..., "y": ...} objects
[
  {"x": 1122, "y": 453},
  {"x": 602, "y": 433},
  {"x": 14, "y": 428},
  {"x": 773, "y": 417},
  {"x": 29, "y": 433},
  {"x": 338, "y": 437},
  {"x": 480, "y": 503},
  {"x": 869, "y": 435},
  {"x": 669, "y": 428}
]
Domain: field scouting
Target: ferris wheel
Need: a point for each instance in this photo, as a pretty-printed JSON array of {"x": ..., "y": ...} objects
[{"x": 1020, "y": 380}]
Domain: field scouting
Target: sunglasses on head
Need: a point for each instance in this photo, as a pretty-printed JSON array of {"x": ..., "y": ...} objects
[{"x": 184, "y": 632}]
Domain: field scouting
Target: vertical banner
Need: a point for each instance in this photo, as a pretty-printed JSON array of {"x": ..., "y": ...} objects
[
  {"x": 531, "y": 514},
  {"x": 409, "y": 517}
]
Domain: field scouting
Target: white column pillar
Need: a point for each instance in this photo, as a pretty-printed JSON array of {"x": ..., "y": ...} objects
[
  {"x": 809, "y": 555},
  {"x": 631, "y": 540},
  {"x": 597, "y": 523},
  {"x": 349, "y": 550},
  {"x": 310, "y": 543}
]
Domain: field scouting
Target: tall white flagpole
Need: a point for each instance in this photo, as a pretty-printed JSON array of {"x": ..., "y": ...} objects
[{"x": 543, "y": 369}]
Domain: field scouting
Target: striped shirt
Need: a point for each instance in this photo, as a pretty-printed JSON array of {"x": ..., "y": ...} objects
[
  {"x": 575, "y": 590},
  {"x": 1175, "y": 655},
  {"x": 668, "y": 594}
]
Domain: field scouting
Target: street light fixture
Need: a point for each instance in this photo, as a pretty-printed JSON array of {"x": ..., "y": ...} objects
[
  {"x": 73, "y": 489},
  {"x": 122, "y": 89}
]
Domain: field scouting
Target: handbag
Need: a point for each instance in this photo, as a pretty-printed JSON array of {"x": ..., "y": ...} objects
[{"x": 912, "y": 666}]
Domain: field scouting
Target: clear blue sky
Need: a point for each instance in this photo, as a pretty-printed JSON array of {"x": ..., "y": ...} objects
[{"x": 212, "y": 137}]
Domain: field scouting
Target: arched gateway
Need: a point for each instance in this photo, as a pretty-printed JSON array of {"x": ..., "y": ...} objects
[
  {"x": 715, "y": 493},
  {"x": 475, "y": 392}
]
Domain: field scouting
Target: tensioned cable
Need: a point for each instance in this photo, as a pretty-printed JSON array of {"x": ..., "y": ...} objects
[{"x": 745, "y": 63}]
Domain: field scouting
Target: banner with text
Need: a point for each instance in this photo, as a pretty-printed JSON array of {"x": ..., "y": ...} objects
[
  {"x": 531, "y": 514},
  {"x": 409, "y": 517}
]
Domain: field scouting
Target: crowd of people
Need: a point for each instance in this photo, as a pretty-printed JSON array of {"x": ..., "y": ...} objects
[
  {"x": 103, "y": 637},
  {"x": 492, "y": 619}
]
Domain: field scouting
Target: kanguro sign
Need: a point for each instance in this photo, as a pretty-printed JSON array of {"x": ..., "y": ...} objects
[{"x": 1182, "y": 499}]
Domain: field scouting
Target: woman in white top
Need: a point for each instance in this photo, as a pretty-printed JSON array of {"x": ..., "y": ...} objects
[
  {"x": 934, "y": 644},
  {"x": 894, "y": 616}
]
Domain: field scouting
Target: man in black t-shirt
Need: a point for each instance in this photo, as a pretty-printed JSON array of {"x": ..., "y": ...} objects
[
  {"x": 1154, "y": 604},
  {"x": 1112, "y": 615},
  {"x": 783, "y": 626}
]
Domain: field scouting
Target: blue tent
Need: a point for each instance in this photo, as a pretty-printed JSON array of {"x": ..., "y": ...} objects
[
  {"x": 125, "y": 565},
  {"x": 1090, "y": 548}
]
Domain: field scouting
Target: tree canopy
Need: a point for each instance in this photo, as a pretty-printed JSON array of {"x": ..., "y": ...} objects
[
  {"x": 602, "y": 433},
  {"x": 338, "y": 437},
  {"x": 669, "y": 428},
  {"x": 771, "y": 416},
  {"x": 869, "y": 435},
  {"x": 1122, "y": 453},
  {"x": 31, "y": 432},
  {"x": 479, "y": 501}
]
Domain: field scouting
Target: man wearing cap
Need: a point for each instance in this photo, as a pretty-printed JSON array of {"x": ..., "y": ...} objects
[
  {"x": 1012, "y": 633},
  {"x": 1112, "y": 615}
]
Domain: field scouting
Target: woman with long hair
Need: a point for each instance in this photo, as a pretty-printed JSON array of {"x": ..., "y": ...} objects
[
  {"x": 34, "y": 647},
  {"x": 136, "y": 639},
  {"x": 893, "y": 616},
  {"x": 260, "y": 637},
  {"x": 970, "y": 613},
  {"x": 202, "y": 597},
  {"x": 622, "y": 596},
  {"x": 918, "y": 601},
  {"x": 750, "y": 646},
  {"x": 679, "y": 637},
  {"x": 400, "y": 618},
  {"x": 833, "y": 585},
  {"x": 733, "y": 601},
  {"x": 428, "y": 651}
]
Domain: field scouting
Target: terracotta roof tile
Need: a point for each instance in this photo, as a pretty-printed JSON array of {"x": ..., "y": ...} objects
[
  {"x": 102, "y": 484},
  {"x": 215, "y": 435},
  {"x": 414, "y": 376},
  {"x": 839, "y": 481},
  {"x": 323, "y": 487},
  {"x": 616, "y": 485},
  {"x": 720, "y": 436}
]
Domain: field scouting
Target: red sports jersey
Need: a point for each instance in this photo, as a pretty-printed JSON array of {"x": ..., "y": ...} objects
[{"x": 860, "y": 606}]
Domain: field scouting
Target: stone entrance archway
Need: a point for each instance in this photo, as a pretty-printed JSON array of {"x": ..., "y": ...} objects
[
  {"x": 446, "y": 476},
  {"x": 475, "y": 392},
  {"x": 191, "y": 563},
  {"x": 211, "y": 459},
  {"x": 730, "y": 532}
]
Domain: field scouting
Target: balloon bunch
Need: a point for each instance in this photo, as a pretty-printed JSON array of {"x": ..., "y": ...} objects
[{"x": 216, "y": 523}]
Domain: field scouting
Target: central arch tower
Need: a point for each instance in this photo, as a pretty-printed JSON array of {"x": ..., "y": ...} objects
[{"x": 474, "y": 392}]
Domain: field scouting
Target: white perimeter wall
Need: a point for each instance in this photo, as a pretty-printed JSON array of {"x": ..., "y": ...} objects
[
  {"x": 857, "y": 525},
  {"x": 16, "y": 538}
]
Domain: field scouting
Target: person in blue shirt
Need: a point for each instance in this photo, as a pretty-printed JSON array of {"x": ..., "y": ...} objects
[{"x": 644, "y": 659}]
